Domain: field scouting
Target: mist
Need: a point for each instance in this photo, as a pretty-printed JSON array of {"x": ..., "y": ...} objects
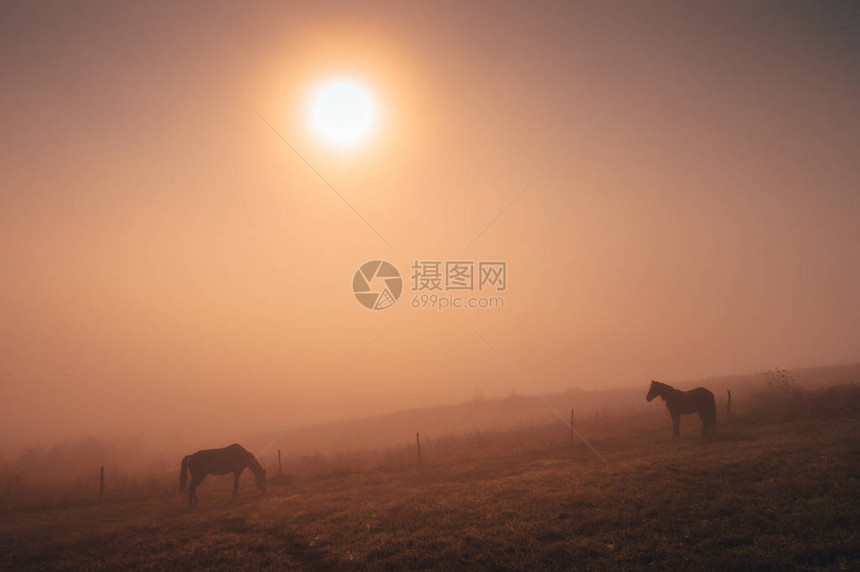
[{"x": 174, "y": 273}]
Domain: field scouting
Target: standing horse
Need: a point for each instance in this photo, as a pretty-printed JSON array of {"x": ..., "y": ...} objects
[
  {"x": 699, "y": 400},
  {"x": 233, "y": 459}
]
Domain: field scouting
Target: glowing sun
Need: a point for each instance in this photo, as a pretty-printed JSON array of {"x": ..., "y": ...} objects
[{"x": 342, "y": 112}]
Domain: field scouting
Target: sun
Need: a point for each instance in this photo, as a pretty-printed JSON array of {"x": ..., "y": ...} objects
[{"x": 342, "y": 112}]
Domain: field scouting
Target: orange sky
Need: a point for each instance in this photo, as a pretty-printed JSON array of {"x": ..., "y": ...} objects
[{"x": 169, "y": 262}]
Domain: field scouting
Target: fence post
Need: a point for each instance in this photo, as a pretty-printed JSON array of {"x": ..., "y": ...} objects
[
  {"x": 418, "y": 442},
  {"x": 279, "y": 462},
  {"x": 571, "y": 426},
  {"x": 729, "y": 406},
  {"x": 101, "y": 482}
]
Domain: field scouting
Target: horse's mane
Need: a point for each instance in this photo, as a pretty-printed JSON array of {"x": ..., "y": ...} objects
[{"x": 664, "y": 390}]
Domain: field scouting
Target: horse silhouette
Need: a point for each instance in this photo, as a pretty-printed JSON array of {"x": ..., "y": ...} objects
[
  {"x": 699, "y": 400},
  {"x": 232, "y": 459}
]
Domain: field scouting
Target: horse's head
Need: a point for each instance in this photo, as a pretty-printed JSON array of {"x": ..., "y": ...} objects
[
  {"x": 654, "y": 391},
  {"x": 260, "y": 479}
]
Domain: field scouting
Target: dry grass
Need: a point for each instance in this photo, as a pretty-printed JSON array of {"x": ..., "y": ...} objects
[{"x": 769, "y": 494}]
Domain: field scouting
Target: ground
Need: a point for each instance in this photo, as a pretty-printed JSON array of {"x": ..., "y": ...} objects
[{"x": 765, "y": 495}]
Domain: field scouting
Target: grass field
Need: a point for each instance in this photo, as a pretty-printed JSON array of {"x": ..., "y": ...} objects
[{"x": 767, "y": 494}]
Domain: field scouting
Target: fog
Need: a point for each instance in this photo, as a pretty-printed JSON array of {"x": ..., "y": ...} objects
[{"x": 173, "y": 273}]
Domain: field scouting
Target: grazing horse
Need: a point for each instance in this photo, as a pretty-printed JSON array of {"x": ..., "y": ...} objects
[
  {"x": 699, "y": 400},
  {"x": 233, "y": 459}
]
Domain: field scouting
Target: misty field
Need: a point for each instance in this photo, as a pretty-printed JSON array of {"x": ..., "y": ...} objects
[{"x": 772, "y": 491}]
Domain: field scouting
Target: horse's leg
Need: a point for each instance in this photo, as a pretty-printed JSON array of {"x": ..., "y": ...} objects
[
  {"x": 676, "y": 424},
  {"x": 192, "y": 497},
  {"x": 192, "y": 490},
  {"x": 704, "y": 419},
  {"x": 712, "y": 419},
  {"x": 236, "y": 476}
]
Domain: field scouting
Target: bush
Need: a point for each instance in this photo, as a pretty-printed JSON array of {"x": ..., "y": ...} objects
[{"x": 780, "y": 395}]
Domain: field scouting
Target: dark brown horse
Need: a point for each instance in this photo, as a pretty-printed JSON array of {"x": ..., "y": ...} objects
[
  {"x": 699, "y": 400},
  {"x": 233, "y": 459}
]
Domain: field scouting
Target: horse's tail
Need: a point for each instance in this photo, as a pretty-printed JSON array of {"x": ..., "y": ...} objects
[{"x": 183, "y": 473}]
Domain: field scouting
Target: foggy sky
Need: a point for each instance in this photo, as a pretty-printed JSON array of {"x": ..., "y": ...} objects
[{"x": 168, "y": 263}]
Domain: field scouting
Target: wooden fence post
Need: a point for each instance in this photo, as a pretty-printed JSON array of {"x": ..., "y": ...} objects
[
  {"x": 101, "y": 482},
  {"x": 279, "y": 462},
  {"x": 571, "y": 426},
  {"x": 418, "y": 442}
]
